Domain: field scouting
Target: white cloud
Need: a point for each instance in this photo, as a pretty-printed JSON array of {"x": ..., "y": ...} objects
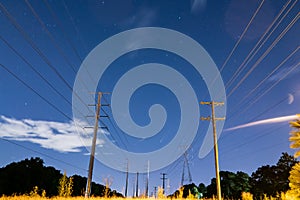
[{"x": 59, "y": 136}]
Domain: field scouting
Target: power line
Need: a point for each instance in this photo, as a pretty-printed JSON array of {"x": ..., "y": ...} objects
[
  {"x": 33, "y": 90},
  {"x": 43, "y": 154},
  {"x": 271, "y": 107},
  {"x": 74, "y": 25},
  {"x": 260, "y": 43},
  {"x": 265, "y": 54},
  {"x": 32, "y": 44},
  {"x": 36, "y": 49},
  {"x": 58, "y": 22},
  {"x": 33, "y": 68},
  {"x": 248, "y": 141},
  {"x": 241, "y": 37},
  {"x": 270, "y": 74},
  {"x": 270, "y": 88},
  {"x": 57, "y": 46},
  {"x": 38, "y": 73},
  {"x": 261, "y": 83}
]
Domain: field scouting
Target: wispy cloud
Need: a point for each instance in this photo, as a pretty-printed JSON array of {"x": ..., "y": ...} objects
[
  {"x": 144, "y": 17},
  {"x": 265, "y": 121},
  {"x": 59, "y": 136},
  {"x": 197, "y": 6},
  {"x": 285, "y": 72}
]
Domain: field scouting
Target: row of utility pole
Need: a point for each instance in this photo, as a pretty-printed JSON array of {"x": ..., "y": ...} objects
[{"x": 211, "y": 118}]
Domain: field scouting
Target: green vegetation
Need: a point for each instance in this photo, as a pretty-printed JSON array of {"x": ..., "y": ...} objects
[
  {"x": 65, "y": 187},
  {"x": 295, "y": 172},
  {"x": 31, "y": 177}
]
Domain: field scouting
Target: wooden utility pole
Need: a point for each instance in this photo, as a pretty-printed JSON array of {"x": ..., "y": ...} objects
[
  {"x": 147, "y": 180},
  {"x": 155, "y": 191},
  {"x": 92, "y": 156},
  {"x": 126, "y": 183},
  {"x": 163, "y": 181},
  {"x": 216, "y": 151},
  {"x": 137, "y": 185},
  {"x": 133, "y": 187}
]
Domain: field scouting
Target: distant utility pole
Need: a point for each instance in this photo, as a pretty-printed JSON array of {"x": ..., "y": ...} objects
[
  {"x": 214, "y": 119},
  {"x": 155, "y": 191},
  {"x": 92, "y": 156},
  {"x": 133, "y": 187},
  {"x": 137, "y": 185},
  {"x": 163, "y": 181},
  {"x": 126, "y": 183},
  {"x": 147, "y": 180}
]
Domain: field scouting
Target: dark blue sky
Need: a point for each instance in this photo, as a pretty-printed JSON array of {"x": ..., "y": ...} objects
[{"x": 43, "y": 44}]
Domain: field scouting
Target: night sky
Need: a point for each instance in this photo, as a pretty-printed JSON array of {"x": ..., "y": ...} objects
[{"x": 44, "y": 44}]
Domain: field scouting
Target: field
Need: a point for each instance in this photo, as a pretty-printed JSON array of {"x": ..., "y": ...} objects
[{"x": 246, "y": 196}]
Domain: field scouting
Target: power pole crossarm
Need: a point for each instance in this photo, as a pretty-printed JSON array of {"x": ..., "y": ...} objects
[{"x": 209, "y": 118}]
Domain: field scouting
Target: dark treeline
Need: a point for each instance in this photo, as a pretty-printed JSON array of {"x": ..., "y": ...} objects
[
  {"x": 21, "y": 177},
  {"x": 268, "y": 180}
]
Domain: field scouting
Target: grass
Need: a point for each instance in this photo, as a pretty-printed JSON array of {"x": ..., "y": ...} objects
[
  {"x": 28, "y": 197},
  {"x": 245, "y": 196}
]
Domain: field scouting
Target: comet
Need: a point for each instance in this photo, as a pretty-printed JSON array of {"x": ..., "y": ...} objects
[{"x": 265, "y": 121}]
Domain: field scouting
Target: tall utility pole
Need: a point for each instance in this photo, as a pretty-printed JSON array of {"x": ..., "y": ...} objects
[
  {"x": 216, "y": 151},
  {"x": 163, "y": 181},
  {"x": 92, "y": 156},
  {"x": 147, "y": 180},
  {"x": 137, "y": 185},
  {"x": 133, "y": 187},
  {"x": 126, "y": 183}
]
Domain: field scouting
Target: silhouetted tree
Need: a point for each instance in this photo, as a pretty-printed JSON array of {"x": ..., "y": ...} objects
[
  {"x": 232, "y": 185},
  {"x": 272, "y": 180},
  {"x": 22, "y": 177},
  {"x": 202, "y": 188}
]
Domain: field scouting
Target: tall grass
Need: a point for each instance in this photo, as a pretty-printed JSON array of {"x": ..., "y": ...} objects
[{"x": 245, "y": 196}]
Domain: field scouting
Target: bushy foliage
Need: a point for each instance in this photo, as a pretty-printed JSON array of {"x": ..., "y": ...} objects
[
  {"x": 295, "y": 136},
  {"x": 30, "y": 176},
  {"x": 23, "y": 176},
  {"x": 272, "y": 180},
  {"x": 65, "y": 187},
  {"x": 232, "y": 185},
  {"x": 294, "y": 177}
]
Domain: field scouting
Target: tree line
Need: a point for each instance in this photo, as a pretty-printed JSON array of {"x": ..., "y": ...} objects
[
  {"x": 266, "y": 180},
  {"x": 30, "y": 174},
  {"x": 27, "y": 175}
]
